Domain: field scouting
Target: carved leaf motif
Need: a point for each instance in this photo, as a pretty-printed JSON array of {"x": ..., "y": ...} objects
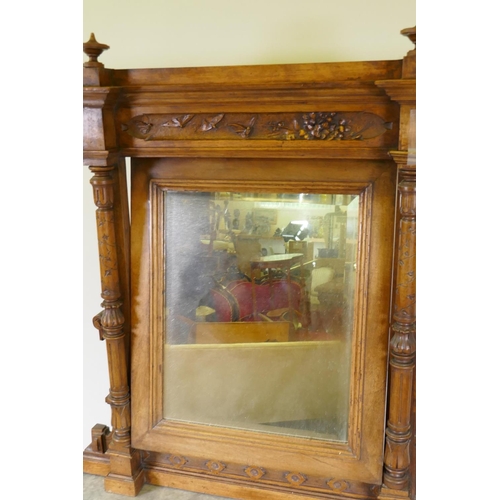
[
  {"x": 112, "y": 317},
  {"x": 144, "y": 126},
  {"x": 243, "y": 130},
  {"x": 211, "y": 123},
  {"x": 277, "y": 126},
  {"x": 178, "y": 121},
  {"x": 403, "y": 344}
]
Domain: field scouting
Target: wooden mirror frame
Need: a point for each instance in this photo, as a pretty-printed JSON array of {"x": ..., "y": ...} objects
[{"x": 145, "y": 115}]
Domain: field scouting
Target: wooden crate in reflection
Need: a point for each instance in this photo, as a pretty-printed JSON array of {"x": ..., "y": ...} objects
[{"x": 241, "y": 332}]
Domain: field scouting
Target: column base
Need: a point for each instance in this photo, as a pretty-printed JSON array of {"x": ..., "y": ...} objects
[
  {"x": 390, "y": 494},
  {"x": 124, "y": 485}
]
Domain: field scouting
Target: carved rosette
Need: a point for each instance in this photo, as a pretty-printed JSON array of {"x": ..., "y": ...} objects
[
  {"x": 215, "y": 467},
  {"x": 177, "y": 461},
  {"x": 295, "y": 478},
  {"x": 255, "y": 473},
  {"x": 293, "y": 482},
  {"x": 403, "y": 341},
  {"x": 326, "y": 126},
  {"x": 110, "y": 320},
  {"x": 338, "y": 485}
]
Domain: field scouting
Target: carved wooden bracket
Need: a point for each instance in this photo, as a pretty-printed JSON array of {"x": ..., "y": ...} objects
[
  {"x": 345, "y": 126},
  {"x": 96, "y": 321}
]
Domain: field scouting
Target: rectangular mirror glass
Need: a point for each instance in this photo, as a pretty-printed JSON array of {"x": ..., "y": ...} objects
[{"x": 259, "y": 310}]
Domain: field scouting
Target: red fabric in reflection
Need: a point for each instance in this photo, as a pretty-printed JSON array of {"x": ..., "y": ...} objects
[{"x": 268, "y": 297}]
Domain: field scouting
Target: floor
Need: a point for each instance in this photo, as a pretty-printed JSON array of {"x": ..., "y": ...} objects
[{"x": 93, "y": 489}]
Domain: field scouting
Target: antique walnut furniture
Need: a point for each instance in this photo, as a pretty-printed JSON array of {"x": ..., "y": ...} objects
[{"x": 226, "y": 381}]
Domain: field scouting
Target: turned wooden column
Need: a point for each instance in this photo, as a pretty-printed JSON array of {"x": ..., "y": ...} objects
[
  {"x": 111, "y": 320},
  {"x": 398, "y": 474},
  {"x": 124, "y": 474},
  {"x": 402, "y": 344}
]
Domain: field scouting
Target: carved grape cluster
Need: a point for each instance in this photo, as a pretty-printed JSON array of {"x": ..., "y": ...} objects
[{"x": 323, "y": 126}]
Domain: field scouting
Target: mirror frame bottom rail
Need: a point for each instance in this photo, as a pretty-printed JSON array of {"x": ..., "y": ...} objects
[{"x": 233, "y": 480}]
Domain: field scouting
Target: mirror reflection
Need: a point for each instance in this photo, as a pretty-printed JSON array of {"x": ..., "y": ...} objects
[{"x": 259, "y": 302}]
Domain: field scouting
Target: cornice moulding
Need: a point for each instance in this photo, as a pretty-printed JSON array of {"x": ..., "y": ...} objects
[{"x": 402, "y": 91}]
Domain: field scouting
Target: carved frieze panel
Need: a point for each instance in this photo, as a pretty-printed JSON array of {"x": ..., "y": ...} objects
[
  {"x": 327, "y": 126},
  {"x": 291, "y": 480}
]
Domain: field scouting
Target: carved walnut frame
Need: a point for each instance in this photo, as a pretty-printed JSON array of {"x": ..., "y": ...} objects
[{"x": 351, "y": 112}]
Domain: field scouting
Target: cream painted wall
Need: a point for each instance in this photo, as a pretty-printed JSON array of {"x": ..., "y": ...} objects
[{"x": 167, "y": 33}]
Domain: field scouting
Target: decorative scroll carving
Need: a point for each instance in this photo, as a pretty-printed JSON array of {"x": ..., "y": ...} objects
[
  {"x": 403, "y": 343},
  {"x": 341, "y": 126}
]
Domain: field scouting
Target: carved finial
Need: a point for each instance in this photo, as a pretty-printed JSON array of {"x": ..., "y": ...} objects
[
  {"x": 410, "y": 61},
  {"x": 93, "y": 49},
  {"x": 411, "y": 33}
]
